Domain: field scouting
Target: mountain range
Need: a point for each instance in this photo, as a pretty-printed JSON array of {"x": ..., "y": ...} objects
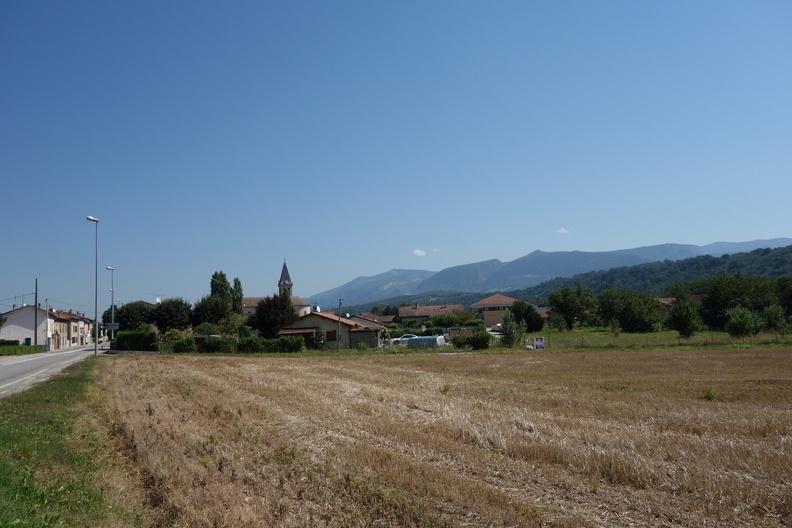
[{"x": 530, "y": 270}]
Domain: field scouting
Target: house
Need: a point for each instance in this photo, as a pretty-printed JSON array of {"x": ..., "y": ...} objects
[
  {"x": 328, "y": 325},
  {"x": 419, "y": 313},
  {"x": 56, "y": 330},
  {"x": 366, "y": 321},
  {"x": 384, "y": 319},
  {"x": 20, "y": 323},
  {"x": 285, "y": 284},
  {"x": 493, "y": 308}
]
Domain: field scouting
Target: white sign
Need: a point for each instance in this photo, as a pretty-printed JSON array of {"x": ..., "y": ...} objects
[{"x": 539, "y": 343}]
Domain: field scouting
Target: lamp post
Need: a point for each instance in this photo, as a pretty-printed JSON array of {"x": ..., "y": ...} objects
[
  {"x": 111, "y": 269},
  {"x": 96, "y": 282}
]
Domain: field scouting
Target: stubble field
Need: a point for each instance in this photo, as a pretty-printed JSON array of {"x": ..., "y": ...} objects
[{"x": 605, "y": 438}]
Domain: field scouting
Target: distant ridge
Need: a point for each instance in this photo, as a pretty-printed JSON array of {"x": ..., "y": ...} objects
[
  {"x": 653, "y": 278},
  {"x": 527, "y": 271}
]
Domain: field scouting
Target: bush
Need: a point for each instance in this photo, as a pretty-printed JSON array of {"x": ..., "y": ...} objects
[
  {"x": 207, "y": 329},
  {"x": 432, "y": 331},
  {"x": 173, "y": 335},
  {"x": 9, "y": 342},
  {"x": 217, "y": 345},
  {"x": 684, "y": 318},
  {"x": 185, "y": 345},
  {"x": 513, "y": 330},
  {"x": 477, "y": 341},
  {"x": 743, "y": 322},
  {"x": 136, "y": 340},
  {"x": 18, "y": 350},
  {"x": 251, "y": 345},
  {"x": 289, "y": 344},
  {"x": 361, "y": 346}
]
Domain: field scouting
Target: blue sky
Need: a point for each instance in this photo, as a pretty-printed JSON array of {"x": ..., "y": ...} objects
[{"x": 346, "y": 135}]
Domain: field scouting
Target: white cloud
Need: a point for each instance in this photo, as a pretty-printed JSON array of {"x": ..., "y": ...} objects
[
  {"x": 419, "y": 252},
  {"x": 562, "y": 231}
]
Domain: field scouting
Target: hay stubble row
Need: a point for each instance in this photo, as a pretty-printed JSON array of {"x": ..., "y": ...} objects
[{"x": 616, "y": 438}]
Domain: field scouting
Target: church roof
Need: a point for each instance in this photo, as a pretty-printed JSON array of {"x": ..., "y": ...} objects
[{"x": 285, "y": 278}]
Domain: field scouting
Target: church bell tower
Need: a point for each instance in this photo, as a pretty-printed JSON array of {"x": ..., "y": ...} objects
[{"x": 285, "y": 283}]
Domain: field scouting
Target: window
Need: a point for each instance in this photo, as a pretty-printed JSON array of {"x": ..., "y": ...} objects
[{"x": 330, "y": 335}]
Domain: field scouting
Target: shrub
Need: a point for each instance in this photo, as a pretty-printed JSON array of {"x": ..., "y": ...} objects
[
  {"x": 173, "y": 335},
  {"x": 743, "y": 322},
  {"x": 477, "y": 341},
  {"x": 684, "y": 318},
  {"x": 185, "y": 345},
  {"x": 513, "y": 330},
  {"x": 361, "y": 345},
  {"x": 9, "y": 342},
  {"x": 432, "y": 331},
  {"x": 207, "y": 329},
  {"x": 217, "y": 345},
  {"x": 289, "y": 344},
  {"x": 136, "y": 340},
  {"x": 251, "y": 344},
  {"x": 480, "y": 340}
]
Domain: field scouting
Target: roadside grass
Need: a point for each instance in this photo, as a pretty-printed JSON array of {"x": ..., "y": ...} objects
[{"x": 48, "y": 463}]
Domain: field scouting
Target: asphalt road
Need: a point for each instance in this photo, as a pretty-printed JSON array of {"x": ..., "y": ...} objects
[{"x": 19, "y": 372}]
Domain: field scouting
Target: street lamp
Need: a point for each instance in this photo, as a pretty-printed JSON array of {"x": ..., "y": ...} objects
[
  {"x": 111, "y": 269},
  {"x": 96, "y": 282}
]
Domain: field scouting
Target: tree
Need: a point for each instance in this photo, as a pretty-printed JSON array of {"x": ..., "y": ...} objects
[
  {"x": 610, "y": 306},
  {"x": 233, "y": 325},
  {"x": 567, "y": 304},
  {"x": 107, "y": 316},
  {"x": 209, "y": 309},
  {"x": 236, "y": 297},
  {"x": 742, "y": 322},
  {"x": 219, "y": 288},
  {"x": 684, "y": 317},
  {"x": 132, "y": 316},
  {"x": 172, "y": 313},
  {"x": 528, "y": 315},
  {"x": 273, "y": 314},
  {"x": 775, "y": 318},
  {"x": 513, "y": 330}
]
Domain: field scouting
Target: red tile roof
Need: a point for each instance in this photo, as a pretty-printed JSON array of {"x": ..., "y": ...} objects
[
  {"x": 430, "y": 310},
  {"x": 495, "y": 300}
]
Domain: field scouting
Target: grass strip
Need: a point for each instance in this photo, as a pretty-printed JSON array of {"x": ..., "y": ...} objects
[{"x": 45, "y": 479}]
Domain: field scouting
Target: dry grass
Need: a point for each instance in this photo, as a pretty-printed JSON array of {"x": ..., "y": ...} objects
[{"x": 609, "y": 438}]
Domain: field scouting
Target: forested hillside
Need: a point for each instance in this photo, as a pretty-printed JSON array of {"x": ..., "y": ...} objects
[{"x": 657, "y": 277}]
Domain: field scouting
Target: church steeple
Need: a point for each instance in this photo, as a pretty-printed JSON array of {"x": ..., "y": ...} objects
[{"x": 285, "y": 283}]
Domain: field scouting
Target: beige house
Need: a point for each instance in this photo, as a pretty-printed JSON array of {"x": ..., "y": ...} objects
[
  {"x": 56, "y": 330},
  {"x": 493, "y": 308},
  {"x": 328, "y": 325}
]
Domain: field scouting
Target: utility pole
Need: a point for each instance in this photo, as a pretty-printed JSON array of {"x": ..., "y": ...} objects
[
  {"x": 35, "y": 316},
  {"x": 338, "y": 332}
]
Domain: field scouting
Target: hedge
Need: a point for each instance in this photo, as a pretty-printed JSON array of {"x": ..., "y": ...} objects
[
  {"x": 135, "y": 340},
  {"x": 18, "y": 350},
  {"x": 477, "y": 341},
  {"x": 217, "y": 344},
  {"x": 9, "y": 342},
  {"x": 183, "y": 345}
]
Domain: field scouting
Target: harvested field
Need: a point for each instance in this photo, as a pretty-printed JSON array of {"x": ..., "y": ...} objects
[{"x": 606, "y": 438}]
